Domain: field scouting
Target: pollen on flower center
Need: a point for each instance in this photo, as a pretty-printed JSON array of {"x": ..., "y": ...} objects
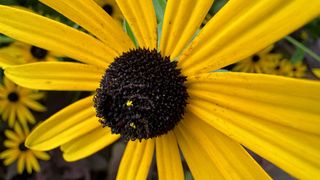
[
  {"x": 13, "y": 97},
  {"x": 142, "y": 95},
  {"x": 38, "y": 53}
]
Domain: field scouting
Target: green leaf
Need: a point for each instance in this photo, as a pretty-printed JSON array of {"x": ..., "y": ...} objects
[
  {"x": 128, "y": 30},
  {"x": 297, "y": 56},
  {"x": 303, "y": 48},
  {"x": 159, "y": 6}
]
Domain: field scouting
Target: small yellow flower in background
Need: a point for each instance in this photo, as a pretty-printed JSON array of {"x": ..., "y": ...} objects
[
  {"x": 111, "y": 7},
  {"x": 16, "y": 151},
  {"x": 261, "y": 62},
  {"x": 15, "y": 102},
  {"x": 316, "y": 72},
  {"x": 285, "y": 68},
  {"x": 177, "y": 105},
  {"x": 298, "y": 70}
]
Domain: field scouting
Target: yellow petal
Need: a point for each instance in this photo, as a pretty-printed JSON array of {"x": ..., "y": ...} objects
[
  {"x": 9, "y": 144},
  {"x": 197, "y": 158},
  {"x": 26, "y": 115},
  {"x": 9, "y": 153},
  {"x": 21, "y": 161},
  {"x": 88, "y": 144},
  {"x": 34, "y": 162},
  {"x": 91, "y": 17},
  {"x": 242, "y": 28},
  {"x": 168, "y": 157},
  {"x": 231, "y": 159},
  {"x": 56, "y": 75},
  {"x": 13, "y": 136},
  {"x": 136, "y": 160},
  {"x": 51, "y": 35},
  {"x": 287, "y": 101},
  {"x": 316, "y": 71},
  {"x": 34, "y": 105},
  {"x": 181, "y": 21},
  {"x": 295, "y": 150},
  {"x": 41, "y": 155},
  {"x": 142, "y": 20},
  {"x": 67, "y": 124}
]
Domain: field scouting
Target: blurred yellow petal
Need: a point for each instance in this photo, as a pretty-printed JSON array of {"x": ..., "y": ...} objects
[
  {"x": 88, "y": 144},
  {"x": 28, "y": 162},
  {"x": 136, "y": 160},
  {"x": 69, "y": 123},
  {"x": 31, "y": 28},
  {"x": 181, "y": 21},
  {"x": 34, "y": 163},
  {"x": 248, "y": 25},
  {"x": 168, "y": 157},
  {"x": 41, "y": 155},
  {"x": 13, "y": 136},
  {"x": 56, "y": 76},
  {"x": 90, "y": 16},
  {"x": 34, "y": 105},
  {"x": 21, "y": 163},
  {"x": 142, "y": 20},
  {"x": 231, "y": 159}
]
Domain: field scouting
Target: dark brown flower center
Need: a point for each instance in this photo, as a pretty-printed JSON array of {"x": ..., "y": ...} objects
[{"x": 13, "y": 97}]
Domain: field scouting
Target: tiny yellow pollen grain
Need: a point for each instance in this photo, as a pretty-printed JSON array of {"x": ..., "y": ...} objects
[
  {"x": 133, "y": 125},
  {"x": 129, "y": 103}
]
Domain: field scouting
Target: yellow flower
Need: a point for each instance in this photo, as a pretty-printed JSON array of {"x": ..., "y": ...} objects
[
  {"x": 15, "y": 102},
  {"x": 261, "y": 62},
  {"x": 22, "y": 53},
  {"x": 276, "y": 117},
  {"x": 316, "y": 72},
  {"x": 298, "y": 70},
  {"x": 26, "y": 158},
  {"x": 285, "y": 68}
]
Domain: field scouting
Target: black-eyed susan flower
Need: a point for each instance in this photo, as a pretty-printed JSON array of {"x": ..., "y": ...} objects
[
  {"x": 16, "y": 102},
  {"x": 298, "y": 70},
  {"x": 16, "y": 151},
  {"x": 22, "y": 53},
  {"x": 285, "y": 68},
  {"x": 261, "y": 62},
  {"x": 164, "y": 100}
]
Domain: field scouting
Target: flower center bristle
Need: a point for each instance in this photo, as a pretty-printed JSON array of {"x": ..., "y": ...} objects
[
  {"x": 142, "y": 95},
  {"x": 13, "y": 97},
  {"x": 22, "y": 147},
  {"x": 255, "y": 58},
  {"x": 38, "y": 53},
  {"x": 108, "y": 8}
]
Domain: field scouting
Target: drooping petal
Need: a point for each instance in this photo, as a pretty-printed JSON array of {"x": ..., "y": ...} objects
[
  {"x": 34, "y": 162},
  {"x": 34, "y": 105},
  {"x": 41, "y": 155},
  {"x": 136, "y": 160},
  {"x": 93, "y": 18},
  {"x": 196, "y": 156},
  {"x": 51, "y": 35},
  {"x": 56, "y": 76},
  {"x": 21, "y": 163},
  {"x": 182, "y": 18},
  {"x": 67, "y": 124},
  {"x": 231, "y": 159},
  {"x": 88, "y": 143},
  {"x": 242, "y": 28},
  {"x": 142, "y": 20},
  {"x": 168, "y": 157},
  {"x": 261, "y": 122}
]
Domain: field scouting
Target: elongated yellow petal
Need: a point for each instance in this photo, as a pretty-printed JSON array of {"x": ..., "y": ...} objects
[
  {"x": 34, "y": 105},
  {"x": 142, "y": 20},
  {"x": 136, "y": 160},
  {"x": 168, "y": 157},
  {"x": 26, "y": 115},
  {"x": 197, "y": 158},
  {"x": 90, "y": 16},
  {"x": 231, "y": 159},
  {"x": 21, "y": 163},
  {"x": 56, "y": 75},
  {"x": 292, "y": 148},
  {"x": 290, "y": 102},
  {"x": 28, "y": 162},
  {"x": 51, "y": 35},
  {"x": 69, "y": 123},
  {"x": 181, "y": 20},
  {"x": 34, "y": 162},
  {"x": 13, "y": 136},
  {"x": 242, "y": 28},
  {"x": 88, "y": 144},
  {"x": 41, "y": 155}
]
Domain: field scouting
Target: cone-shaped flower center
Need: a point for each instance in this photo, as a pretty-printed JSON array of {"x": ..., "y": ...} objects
[
  {"x": 142, "y": 95},
  {"x": 13, "y": 97},
  {"x": 38, "y": 53}
]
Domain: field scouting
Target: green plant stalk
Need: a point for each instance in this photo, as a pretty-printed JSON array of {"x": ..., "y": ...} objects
[{"x": 302, "y": 47}]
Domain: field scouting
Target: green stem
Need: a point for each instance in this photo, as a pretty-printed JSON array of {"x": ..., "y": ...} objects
[
  {"x": 302, "y": 47},
  {"x": 4, "y": 39}
]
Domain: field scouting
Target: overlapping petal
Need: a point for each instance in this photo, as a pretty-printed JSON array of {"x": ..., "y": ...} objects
[
  {"x": 242, "y": 28},
  {"x": 56, "y": 75}
]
